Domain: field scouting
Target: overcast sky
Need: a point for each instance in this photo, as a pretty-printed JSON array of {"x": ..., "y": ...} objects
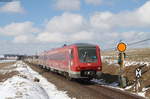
[{"x": 30, "y": 26}]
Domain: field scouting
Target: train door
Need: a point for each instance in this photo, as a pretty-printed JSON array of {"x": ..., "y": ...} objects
[{"x": 70, "y": 59}]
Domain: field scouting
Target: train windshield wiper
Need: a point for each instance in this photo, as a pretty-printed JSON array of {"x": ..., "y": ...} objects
[{"x": 85, "y": 56}]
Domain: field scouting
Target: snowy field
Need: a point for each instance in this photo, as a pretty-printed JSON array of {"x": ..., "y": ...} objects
[
  {"x": 24, "y": 86},
  {"x": 127, "y": 63},
  {"x": 7, "y": 61}
]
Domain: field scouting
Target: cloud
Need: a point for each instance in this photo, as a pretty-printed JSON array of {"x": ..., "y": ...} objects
[
  {"x": 61, "y": 37},
  {"x": 102, "y": 20},
  {"x": 67, "y": 5},
  {"x": 139, "y": 18},
  {"x": 66, "y": 27},
  {"x": 101, "y": 27},
  {"x": 23, "y": 32},
  {"x": 18, "y": 28},
  {"x": 93, "y": 2},
  {"x": 25, "y": 38},
  {"x": 12, "y": 7},
  {"x": 144, "y": 13},
  {"x": 21, "y": 39},
  {"x": 50, "y": 37},
  {"x": 83, "y": 35},
  {"x": 65, "y": 23}
]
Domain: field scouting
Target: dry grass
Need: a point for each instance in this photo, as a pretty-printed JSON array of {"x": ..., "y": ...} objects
[
  {"x": 5, "y": 66},
  {"x": 5, "y": 76}
]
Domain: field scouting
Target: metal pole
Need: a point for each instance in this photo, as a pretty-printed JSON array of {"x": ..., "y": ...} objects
[
  {"x": 122, "y": 79},
  {"x": 122, "y": 60},
  {"x": 121, "y": 48}
]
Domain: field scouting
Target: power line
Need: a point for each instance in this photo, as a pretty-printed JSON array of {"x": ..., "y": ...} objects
[
  {"x": 130, "y": 44},
  {"x": 134, "y": 43}
]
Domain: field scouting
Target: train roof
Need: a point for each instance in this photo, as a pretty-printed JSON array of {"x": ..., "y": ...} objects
[
  {"x": 74, "y": 44},
  {"x": 84, "y": 44},
  {"x": 77, "y": 44}
]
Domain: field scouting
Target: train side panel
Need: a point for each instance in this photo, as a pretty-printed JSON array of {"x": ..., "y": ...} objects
[{"x": 57, "y": 59}]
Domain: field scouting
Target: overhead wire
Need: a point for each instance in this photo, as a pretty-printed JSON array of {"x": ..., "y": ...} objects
[
  {"x": 141, "y": 41},
  {"x": 130, "y": 44}
]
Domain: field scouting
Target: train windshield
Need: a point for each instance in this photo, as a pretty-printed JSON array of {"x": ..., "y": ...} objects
[{"x": 87, "y": 55}]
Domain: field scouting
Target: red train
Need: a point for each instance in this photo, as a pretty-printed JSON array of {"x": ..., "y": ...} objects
[{"x": 79, "y": 60}]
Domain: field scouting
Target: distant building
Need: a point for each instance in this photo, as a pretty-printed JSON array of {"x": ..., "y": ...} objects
[
  {"x": 2, "y": 57},
  {"x": 11, "y": 56}
]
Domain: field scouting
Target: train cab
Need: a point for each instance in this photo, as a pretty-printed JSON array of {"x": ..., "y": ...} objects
[{"x": 85, "y": 61}]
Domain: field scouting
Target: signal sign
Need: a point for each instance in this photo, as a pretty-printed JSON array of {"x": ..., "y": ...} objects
[
  {"x": 121, "y": 47},
  {"x": 138, "y": 73}
]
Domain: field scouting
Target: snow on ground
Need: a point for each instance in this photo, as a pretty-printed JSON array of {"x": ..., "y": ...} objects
[
  {"x": 23, "y": 86},
  {"x": 18, "y": 87},
  {"x": 116, "y": 86},
  {"x": 7, "y": 61},
  {"x": 127, "y": 63},
  {"x": 102, "y": 82},
  {"x": 110, "y": 61},
  {"x": 142, "y": 93}
]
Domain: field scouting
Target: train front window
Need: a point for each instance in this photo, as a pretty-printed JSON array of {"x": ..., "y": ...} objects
[{"x": 87, "y": 55}]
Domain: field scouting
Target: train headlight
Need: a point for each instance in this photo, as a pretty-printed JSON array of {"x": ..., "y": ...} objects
[
  {"x": 99, "y": 68},
  {"x": 78, "y": 68}
]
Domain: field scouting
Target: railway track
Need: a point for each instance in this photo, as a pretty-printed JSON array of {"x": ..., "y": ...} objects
[
  {"x": 82, "y": 90},
  {"x": 114, "y": 93}
]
